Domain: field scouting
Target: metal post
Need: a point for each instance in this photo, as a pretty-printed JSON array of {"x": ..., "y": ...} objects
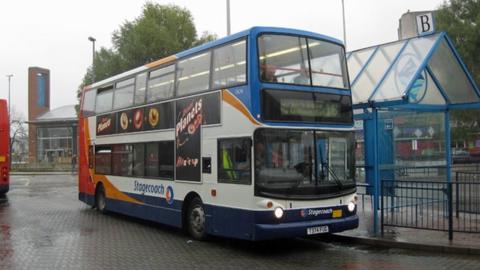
[
  {"x": 376, "y": 180},
  {"x": 228, "y": 17},
  {"x": 344, "y": 26},
  {"x": 449, "y": 177},
  {"x": 448, "y": 147},
  {"x": 457, "y": 196},
  {"x": 450, "y": 212},
  {"x": 381, "y": 209},
  {"x": 92, "y": 39},
  {"x": 9, "y": 76}
]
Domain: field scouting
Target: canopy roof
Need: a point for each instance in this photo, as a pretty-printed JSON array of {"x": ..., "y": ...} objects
[
  {"x": 64, "y": 113},
  {"x": 421, "y": 72}
]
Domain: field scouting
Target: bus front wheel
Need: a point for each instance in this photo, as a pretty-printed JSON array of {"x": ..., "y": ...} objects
[
  {"x": 196, "y": 219},
  {"x": 100, "y": 199}
]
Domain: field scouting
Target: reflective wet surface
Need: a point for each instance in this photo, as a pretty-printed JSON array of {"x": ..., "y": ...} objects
[{"x": 43, "y": 225}]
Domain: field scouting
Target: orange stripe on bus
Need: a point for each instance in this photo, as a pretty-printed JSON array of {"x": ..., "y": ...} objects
[
  {"x": 237, "y": 104},
  {"x": 161, "y": 61},
  {"x": 112, "y": 192}
]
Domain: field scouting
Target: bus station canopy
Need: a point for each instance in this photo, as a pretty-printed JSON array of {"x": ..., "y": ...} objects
[{"x": 418, "y": 73}]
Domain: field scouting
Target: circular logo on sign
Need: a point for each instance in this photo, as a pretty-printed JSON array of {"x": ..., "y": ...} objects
[
  {"x": 138, "y": 119},
  {"x": 153, "y": 117},
  {"x": 169, "y": 195},
  {"x": 419, "y": 89},
  {"x": 303, "y": 213},
  {"x": 124, "y": 121}
]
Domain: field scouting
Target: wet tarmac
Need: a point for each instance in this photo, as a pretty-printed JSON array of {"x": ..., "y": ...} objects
[{"x": 43, "y": 225}]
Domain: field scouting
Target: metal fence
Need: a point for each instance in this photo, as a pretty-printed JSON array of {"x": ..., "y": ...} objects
[{"x": 432, "y": 205}]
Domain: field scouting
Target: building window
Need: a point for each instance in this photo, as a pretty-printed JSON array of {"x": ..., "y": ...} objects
[{"x": 55, "y": 144}]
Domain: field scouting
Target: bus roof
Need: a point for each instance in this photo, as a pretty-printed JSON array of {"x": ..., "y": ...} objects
[{"x": 254, "y": 31}]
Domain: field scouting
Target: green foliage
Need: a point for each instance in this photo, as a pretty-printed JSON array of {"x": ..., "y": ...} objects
[
  {"x": 206, "y": 37},
  {"x": 461, "y": 20},
  {"x": 160, "y": 31}
]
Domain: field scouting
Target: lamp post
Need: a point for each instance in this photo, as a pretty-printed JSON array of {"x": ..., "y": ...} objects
[
  {"x": 228, "y": 17},
  {"x": 344, "y": 27},
  {"x": 9, "y": 76},
  {"x": 92, "y": 39}
]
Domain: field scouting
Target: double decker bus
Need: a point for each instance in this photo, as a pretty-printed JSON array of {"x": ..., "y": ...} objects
[
  {"x": 249, "y": 136},
  {"x": 4, "y": 148}
]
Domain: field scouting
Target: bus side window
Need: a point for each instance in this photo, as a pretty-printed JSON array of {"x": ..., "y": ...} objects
[
  {"x": 103, "y": 159},
  {"x": 166, "y": 159},
  {"x": 234, "y": 162},
  {"x": 90, "y": 157}
]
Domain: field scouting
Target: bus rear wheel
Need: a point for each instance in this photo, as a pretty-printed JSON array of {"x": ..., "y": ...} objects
[
  {"x": 196, "y": 219},
  {"x": 100, "y": 199}
]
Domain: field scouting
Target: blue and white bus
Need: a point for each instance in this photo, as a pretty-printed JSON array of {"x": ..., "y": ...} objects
[{"x": 249, "y": 137}]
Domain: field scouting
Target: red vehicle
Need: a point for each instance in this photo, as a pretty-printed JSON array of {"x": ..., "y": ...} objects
[{"x": 4, "y": 148}]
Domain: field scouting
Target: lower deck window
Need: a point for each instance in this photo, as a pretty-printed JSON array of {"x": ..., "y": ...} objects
[
  {"x": 103, "y": 160},
  {"x": 234, "y": 163},
  {"x": 152, "y": 159},
  {"x": 122, "y": 159}
]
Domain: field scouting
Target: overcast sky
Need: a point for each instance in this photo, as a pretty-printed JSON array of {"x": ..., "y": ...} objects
[{"x": 53, "y": 34}]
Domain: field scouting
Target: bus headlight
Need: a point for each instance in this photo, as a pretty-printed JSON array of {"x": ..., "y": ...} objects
[
  {"x": 351, "y": 206},
  {"x": 278, "y": 212}
]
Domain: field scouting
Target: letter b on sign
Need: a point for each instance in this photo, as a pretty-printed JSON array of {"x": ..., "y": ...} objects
[{"x": 425, "y": 24}]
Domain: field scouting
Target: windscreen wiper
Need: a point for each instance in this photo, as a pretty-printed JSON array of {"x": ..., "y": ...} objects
[{"x": 334, "y": 176}]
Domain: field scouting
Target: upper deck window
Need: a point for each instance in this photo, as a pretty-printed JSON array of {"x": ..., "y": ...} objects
[
  {"x": 123, "y": 95},
  {"x": 193, "y": 74},
  {"x": 301, "y": 61},
  {"x": 140, "y": 87},
  {"x": 161, "y": 84},
  {"x": 104, "y": 99},
  {"x": 328, "y": 65},
  {"x": 229, "y": 65},
  {"x": 88, "y": 107}
]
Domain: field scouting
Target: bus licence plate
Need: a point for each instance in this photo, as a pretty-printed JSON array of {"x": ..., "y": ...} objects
[{"x": 317, "y": 230}]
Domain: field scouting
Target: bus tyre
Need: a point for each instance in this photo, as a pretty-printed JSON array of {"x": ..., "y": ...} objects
[
  {"x": 196, "y": 219},
  {"x": 100, "y": 199}
]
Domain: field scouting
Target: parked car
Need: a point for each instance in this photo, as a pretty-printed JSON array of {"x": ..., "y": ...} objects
[{"x": 461, "y": 156}]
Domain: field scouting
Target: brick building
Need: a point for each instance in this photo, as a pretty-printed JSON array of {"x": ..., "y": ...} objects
[{"x": 52, "y": 133}]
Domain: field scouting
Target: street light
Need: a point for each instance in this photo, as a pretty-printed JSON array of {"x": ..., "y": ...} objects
[
  {"x": 92, "y": 39},
  {"x": 228, "y": 17},
  {"x": 344, "y": 27},
  {"x": 9, "y": 76}
]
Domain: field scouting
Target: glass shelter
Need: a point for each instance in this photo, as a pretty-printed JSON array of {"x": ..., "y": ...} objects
[{"x": 402, "y": 94}]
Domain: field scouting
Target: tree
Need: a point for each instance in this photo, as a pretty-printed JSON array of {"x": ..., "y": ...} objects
[
  {"x": 18, "y": 136},
  {"x": 160, "y": 31},
  {"x": 206, "y": 37},
  {"x": 461, "y": 20}
]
